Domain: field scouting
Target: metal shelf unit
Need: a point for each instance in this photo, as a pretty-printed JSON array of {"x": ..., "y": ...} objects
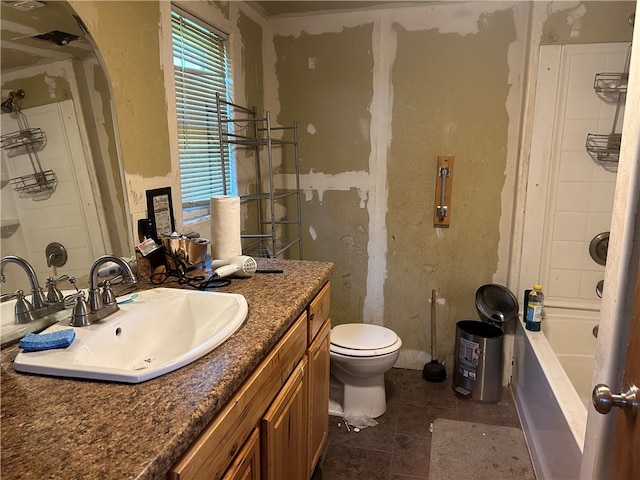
[{"x": 266, "y": 234}]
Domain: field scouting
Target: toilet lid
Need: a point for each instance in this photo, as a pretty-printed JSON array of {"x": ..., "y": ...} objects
[{"x": 362, "y": 336}]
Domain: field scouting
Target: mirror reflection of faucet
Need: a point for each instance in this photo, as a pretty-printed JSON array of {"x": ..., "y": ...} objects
[{"x": 40, "y": 306}]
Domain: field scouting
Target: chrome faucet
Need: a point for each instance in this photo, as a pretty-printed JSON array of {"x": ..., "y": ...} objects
[
  {"x": 37, "y": 295},
  {"x": 99, "y": 305}
]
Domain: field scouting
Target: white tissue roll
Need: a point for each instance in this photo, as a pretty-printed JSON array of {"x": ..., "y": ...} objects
[{"x": 225, "y": 227}]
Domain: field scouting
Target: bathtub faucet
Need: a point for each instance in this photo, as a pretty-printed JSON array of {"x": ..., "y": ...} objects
[{"x": 99, "y": 304}]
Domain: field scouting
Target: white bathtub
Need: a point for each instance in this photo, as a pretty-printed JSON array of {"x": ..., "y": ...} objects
[{"x": 552, "y": 386}]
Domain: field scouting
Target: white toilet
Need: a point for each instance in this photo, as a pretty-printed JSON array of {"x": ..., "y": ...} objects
[{"x": 360, "y": 355}]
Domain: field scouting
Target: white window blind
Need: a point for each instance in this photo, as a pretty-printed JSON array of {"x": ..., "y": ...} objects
[{"x": 201, "y": 69}]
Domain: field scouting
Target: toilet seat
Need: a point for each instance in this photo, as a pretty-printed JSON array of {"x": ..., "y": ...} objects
[{"x": 363, "y": 340}]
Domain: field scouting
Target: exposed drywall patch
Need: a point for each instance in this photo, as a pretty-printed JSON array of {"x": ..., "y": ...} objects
[
  {"x": 311, "y": 129},
  {"x": 312, "y": 63},
  {"x": 384, "y": 44},
  {"x": 460, "y": 18},
  {"x": 574, "y": 19},
  {"x": 312, "y": 233},
  {"x": 316, "y": 184},
  {"x": 52, "y": 84}
]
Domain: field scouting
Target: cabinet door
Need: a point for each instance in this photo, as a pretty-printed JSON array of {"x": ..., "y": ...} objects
[
  {"x": 284, "y": 431},
  {"x": 318, "y": 385},
  {"x": 246, "y": 466}
]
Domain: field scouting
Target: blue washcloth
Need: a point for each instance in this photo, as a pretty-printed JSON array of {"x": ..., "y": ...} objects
[{"x": 32, "y": 342}]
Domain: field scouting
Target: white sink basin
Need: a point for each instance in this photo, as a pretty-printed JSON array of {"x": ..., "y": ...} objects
[{"x": 162, "y": 330}]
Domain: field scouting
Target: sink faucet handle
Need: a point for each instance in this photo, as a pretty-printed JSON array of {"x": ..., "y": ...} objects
[
  {"x": 80, "y": 312},
  {"x": 22, "y": 309},
  {"x": 38, "y": 299},
  {"x": 54, "y": 295},
  {"x": 94, "y": 300},
  {"x": 108, "y": 297},
  {"x": 72, "y": 281}
]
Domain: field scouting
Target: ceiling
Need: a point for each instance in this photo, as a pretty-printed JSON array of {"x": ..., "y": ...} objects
[{"x": 22, "y": 20}]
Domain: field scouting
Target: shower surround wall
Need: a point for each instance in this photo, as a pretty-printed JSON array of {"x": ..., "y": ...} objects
[{"x": 570, "y": 197}]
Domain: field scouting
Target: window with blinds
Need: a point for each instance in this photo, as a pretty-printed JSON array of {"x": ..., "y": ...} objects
[{"x": 200, "y": 69}]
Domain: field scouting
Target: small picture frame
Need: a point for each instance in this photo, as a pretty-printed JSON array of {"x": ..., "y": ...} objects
[{"x": 160, "y": 211}]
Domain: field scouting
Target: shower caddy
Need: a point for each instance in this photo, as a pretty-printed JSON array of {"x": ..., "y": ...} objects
[
  {"x": 271, "y": 235},
  {"x": 605, "y": 148},
  {"x": 30, "y": 141}
]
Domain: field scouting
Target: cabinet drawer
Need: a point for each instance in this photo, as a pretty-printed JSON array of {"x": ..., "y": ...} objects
[
  {"x": 319, "y": 311},
  {"x": 246, "y": 466},
  {"x": 218, "y": 444}
]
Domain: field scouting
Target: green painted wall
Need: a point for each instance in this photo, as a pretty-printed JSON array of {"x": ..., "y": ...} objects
[
  {"x": 127, "y": 34},
  {"x": 325, "y": 80},
  {"x": 450, "y": 93},
  {"x": 251, "y": 35}
]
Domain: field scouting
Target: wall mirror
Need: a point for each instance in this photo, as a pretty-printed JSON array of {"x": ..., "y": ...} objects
[{"x": 54, "y": 87}]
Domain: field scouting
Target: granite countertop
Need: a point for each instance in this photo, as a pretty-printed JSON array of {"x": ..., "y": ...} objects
[{"x": 60, "y": 428}]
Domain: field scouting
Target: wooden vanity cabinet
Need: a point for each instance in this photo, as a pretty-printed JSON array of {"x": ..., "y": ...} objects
[
  {"x": 318, "y": 377},
  {"x": 209, "y": 457},
  {"x": 275, "y": 426}
]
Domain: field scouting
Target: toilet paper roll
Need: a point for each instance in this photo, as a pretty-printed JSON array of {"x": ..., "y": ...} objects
[{"x": 225, "y": 227}]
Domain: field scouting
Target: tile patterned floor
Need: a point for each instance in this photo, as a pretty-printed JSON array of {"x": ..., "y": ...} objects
[{"x": 398, "y": 448}]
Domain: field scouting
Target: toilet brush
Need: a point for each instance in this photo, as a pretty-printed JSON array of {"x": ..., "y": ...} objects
[{"x": 434, "y": 371}]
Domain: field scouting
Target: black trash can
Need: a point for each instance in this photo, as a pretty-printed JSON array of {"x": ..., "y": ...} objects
[{"x": 478, "y": 361}]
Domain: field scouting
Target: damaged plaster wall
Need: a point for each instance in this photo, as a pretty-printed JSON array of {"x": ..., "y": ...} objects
[
  {"x": 42, "y": 84},
  {"x": 380, "y": 94},
  {"x": 338, "y": 142},
  {"x": 585, "y": 22}
]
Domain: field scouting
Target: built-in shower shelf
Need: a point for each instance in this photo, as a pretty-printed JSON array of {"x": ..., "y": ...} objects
[
  {"x": 604, "y": 149},
  {"x": 614, "y": 83}
]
